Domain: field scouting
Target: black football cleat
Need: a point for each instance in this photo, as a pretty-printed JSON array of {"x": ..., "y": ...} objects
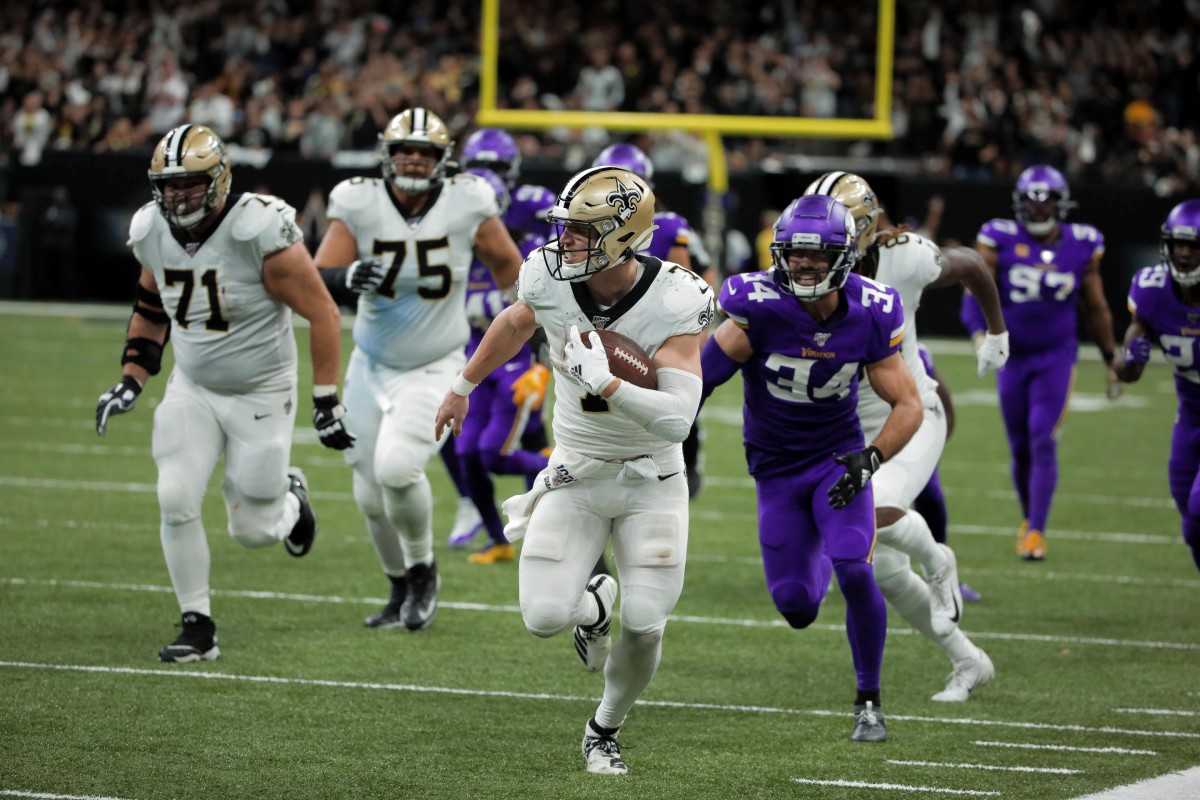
[
  {"x": 196, "y": 642},
  {"x": 304, "y": 532}
]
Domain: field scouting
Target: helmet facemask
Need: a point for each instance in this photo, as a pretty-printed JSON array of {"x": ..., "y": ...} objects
[
  {"x": 603, "y": 216},
  {"x": 824, "y": 229},
  {"x": 190, "y": 151},
  {"x": 1041, "y": 191},
  {"x": 1182, "y": 226},
  {"x": 415, "y": 130}
]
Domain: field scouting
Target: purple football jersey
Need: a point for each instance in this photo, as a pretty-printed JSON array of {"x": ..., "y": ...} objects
[
  {"x": 528, "y": 209},
  {"x": 484, "y": 300},
  {"x": 1174, "y": 325},
  {"x": 672, "y": 230},
  {"x": 1039, "y": 283},
  {"x": 801, "y": 383}
]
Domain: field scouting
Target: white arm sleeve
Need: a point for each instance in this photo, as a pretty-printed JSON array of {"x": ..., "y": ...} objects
[{"x": 667, "y": 413}]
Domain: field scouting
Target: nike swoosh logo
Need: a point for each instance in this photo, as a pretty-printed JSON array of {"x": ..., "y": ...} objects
[
  {"x": 511, "y": 367},
  {"x": 957, "y": 611},
  {"x": 262, "y": 416},
  {"x": 664, "y": 477},
  {"x": 732, "y": 289}
]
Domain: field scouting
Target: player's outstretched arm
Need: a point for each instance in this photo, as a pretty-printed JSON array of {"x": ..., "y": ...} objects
[
  {"x": 147, "y": 333},
  {"x": 969, "y": 268},
  {"x": 723, "y": 356},
  {"x": 509, "y": 331}
]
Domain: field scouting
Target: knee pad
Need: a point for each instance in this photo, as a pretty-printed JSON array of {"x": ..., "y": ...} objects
[
  {"x": 546, "y": 618},
  {"x": 797, "y": 602},
  {"x": 492, "y": 460},
  {"x": 641, "y": 640},
  {"x": 261, "y": 473},
  {"x": 398, "y": 465},
  {"x": 178, "y": 502},
  {"x": 1044, "y": 448},
  {"x": 853, "y": 573}
]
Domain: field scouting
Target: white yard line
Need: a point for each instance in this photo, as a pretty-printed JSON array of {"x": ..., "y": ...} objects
[
  {"x": 990, "y": 767},
  {"x": 745, "y": 623},
  {"x": 1162, "y": 712},
  {"x": 899, "y": 787},
  {"x": 193, "y": 673},
  {"x": 1066, "y": 748},
  {"x": 1183, "y": 785},
  {"x": 46, "y": 796}
]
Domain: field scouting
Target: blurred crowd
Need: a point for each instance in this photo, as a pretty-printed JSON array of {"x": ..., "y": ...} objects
[{"x": 1105, "y": 90}]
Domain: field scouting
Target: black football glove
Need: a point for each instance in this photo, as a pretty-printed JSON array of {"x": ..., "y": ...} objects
[
  {"x": 120, "y": 399},
  {"x": 327, "y": 419},
  {"x": 860, "y": 466},
  {"x": 365, "y": 275}
]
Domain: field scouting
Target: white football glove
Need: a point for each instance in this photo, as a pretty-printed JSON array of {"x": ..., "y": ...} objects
[
  {"x": 992, "y": 352},
  {"x": 120, "y": 399},
  {"x": 582, "y": 366}
]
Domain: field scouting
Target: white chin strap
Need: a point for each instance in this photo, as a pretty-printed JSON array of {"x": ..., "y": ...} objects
[
  {"x": 407, "y": 184},
  {"x": 1040, "y": 228},
  {"x": 189, "y": 220}
]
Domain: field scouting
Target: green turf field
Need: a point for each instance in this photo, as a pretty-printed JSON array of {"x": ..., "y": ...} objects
[{"x": 1097, "y": 650}]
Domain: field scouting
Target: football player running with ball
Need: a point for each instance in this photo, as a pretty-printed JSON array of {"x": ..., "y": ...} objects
[
  {"x": 617, "y": 468},
  {"x": 223, "y": 273},
  {"x": 408, "y": 239},
  {"x": 800, "y": 334},
  {"x": 1164, "y": 300}
]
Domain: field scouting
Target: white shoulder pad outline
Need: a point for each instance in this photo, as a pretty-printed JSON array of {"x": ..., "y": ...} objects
[
  {"x": 142, "y": 222},
  {"x": 254, "y": 212},
  {"x": 477, "y": 190},
  {"x": 532, "y": 277},
  {"x": 354, "y": 194}
]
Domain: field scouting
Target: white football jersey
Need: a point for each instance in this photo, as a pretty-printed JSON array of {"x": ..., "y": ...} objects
[
  {"x": 908, "y": 263},
  {"x": 228, "y": 332},
  {"x": 417, "y": 315},
  {"x": 666, "y": 300}
]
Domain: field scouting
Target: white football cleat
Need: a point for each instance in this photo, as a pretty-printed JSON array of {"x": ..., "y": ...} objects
[
  {"x": 602, "y": 753},
  {"x": 945, "y": 596},
  {"x": 967, "y": 675},
  {"x": 467, "y": 524}
]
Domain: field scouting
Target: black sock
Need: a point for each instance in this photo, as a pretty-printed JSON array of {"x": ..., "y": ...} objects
[
  {"x": 600, "y": 730},
  {"x": 863, "y": 697}
]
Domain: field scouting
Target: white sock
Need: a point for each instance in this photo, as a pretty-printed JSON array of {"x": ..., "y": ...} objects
[
  {"x": 287, "y": 517},
  {"x": 911, "y": 535},
  {"x": 909, "y": 596},
  {"x": 629, "y": 670},
  {"x": 185, "y": 549},
  {"x": 410, "y": 510}
]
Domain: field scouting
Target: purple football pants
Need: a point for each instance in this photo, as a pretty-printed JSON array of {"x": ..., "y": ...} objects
[
  {"x": 490, "y": 443},
  {"x": 803, "y": 539},
  {"x": 1033, "y": 402},
  {"x": 1184, "y": 470}
]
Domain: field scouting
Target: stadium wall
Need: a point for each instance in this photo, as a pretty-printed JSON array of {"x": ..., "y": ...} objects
[{"x": 79, "y": 253}]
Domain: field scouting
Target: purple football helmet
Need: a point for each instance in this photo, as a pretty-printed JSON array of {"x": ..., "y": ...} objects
[
  {"x": 627, "y": 156},
  {"x": 1182, "y": 226},
  {"x": 822, "y": 228},
  {"x": 492, "y": 148},
  {"x": 1041, "y": 199},
  {"x": 493, "y": 180}
]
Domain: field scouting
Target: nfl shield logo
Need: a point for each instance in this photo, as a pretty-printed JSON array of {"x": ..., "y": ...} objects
[{"x": 821, "y": 338}]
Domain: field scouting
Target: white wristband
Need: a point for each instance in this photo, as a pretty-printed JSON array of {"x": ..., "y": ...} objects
[
  {"x": 462, "y": 387},
  {"x": 324, "y": 389}
]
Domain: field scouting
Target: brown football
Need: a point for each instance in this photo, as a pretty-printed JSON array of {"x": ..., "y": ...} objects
[{"x": 627, "y": 360}]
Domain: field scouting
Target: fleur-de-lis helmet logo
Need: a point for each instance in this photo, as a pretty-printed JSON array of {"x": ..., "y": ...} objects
[{"x": 624, "y": 199}]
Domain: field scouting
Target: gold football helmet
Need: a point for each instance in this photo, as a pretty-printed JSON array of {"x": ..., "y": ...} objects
[
  {"x": 855, "y": 194},
  {"x": 603, "y": 216},
  {"x": 191, "y": 151},
  {"x": 416, "y": 127}
]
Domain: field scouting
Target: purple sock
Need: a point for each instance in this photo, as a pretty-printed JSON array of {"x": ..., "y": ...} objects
[
  {"x": 866, "y": 620},
  {"x": 453, "y": 466},
  {"x": 482, "y": 492}
]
